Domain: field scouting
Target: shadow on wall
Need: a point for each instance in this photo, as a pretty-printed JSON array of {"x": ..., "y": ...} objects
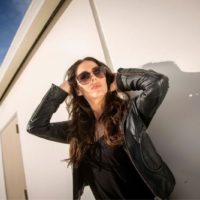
[{"x": 175, "y": 129}]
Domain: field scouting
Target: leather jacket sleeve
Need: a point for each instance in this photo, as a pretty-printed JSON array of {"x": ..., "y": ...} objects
[
  {"x": 39, "y": 123},
  {"x": 154, "y": 87}
]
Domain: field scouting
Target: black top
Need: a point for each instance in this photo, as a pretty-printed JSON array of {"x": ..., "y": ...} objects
[{"x": 110, "y": 174}]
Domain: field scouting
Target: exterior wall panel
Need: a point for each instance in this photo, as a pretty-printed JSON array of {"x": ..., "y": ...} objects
[{"x": 163, "y": 36}]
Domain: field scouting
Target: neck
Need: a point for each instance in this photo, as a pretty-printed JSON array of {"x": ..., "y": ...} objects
[{"x": 97, "y": 106}]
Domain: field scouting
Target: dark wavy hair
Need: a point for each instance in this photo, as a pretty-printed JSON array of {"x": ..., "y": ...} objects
[{"x": 82, "y": 133}]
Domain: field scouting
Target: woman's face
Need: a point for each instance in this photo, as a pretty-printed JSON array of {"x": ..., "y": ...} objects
[{"x": 95, "y": 87}]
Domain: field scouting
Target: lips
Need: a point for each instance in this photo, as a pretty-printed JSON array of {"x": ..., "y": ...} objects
[{"x": 96, "y": 86}]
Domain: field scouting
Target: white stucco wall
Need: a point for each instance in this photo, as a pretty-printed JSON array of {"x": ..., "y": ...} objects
[
  {"x": 136, "y": 33},
  {"x": 2, "y": 184},
  {"x": 164, "y": 36},
  {"x": 73, "y": 36}
]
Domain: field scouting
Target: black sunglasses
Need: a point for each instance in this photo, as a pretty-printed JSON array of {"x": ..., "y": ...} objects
[{"x": 85, "y": 77}]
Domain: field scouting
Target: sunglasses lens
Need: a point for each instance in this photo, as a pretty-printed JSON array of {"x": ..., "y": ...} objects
[
  {"x": 99, "y": 71},
  {"x": 84, "y": 77}
]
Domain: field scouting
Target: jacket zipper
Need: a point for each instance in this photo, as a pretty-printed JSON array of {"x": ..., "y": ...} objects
[{"x": 128, "y": 153}]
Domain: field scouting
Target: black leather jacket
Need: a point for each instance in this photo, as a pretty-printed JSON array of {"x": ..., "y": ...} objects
[{"x": 134, "y": 124}]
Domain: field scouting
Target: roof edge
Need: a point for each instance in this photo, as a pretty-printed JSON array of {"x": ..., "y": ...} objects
[{"x": 35, "y": 19}]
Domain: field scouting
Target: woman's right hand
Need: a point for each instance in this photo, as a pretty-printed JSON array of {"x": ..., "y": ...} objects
[{"x": 65, "y": 86}]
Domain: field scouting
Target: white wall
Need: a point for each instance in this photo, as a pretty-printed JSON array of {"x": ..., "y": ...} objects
[
  {"x": 136, "y": 33},
  {"x": 164, "y": 36},
  {"x": 2, "y": 183},
  {"x": 73, "y": 36}
]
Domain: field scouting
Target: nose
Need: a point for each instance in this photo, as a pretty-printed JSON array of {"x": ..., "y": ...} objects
[{"x": 93, "y": 77}]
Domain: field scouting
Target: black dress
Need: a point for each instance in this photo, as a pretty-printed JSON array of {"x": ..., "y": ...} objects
[{"x": 109, "y": 173}]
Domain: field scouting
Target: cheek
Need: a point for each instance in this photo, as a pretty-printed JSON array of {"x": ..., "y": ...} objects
[
  {"x": 82, "y": 90},
  {"x": 105, "y": 84}
]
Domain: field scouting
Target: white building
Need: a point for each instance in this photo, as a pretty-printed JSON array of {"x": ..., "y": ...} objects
[{"x": 162, "y": 35}]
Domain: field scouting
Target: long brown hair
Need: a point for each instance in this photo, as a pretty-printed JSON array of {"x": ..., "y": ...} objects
[{"x": 82, "y": 133}]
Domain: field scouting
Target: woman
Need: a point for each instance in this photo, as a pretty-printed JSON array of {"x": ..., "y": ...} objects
[{"x": 109, "y": 148}]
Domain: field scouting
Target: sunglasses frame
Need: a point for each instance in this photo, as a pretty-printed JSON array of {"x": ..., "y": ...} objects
[{"x": 102, "y": 73}]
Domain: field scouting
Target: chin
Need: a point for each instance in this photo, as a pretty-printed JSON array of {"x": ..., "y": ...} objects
[{"x": 98, "y": 94}]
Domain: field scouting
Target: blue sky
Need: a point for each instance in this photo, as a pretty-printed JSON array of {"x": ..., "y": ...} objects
[{"x": 11, "y": 15}]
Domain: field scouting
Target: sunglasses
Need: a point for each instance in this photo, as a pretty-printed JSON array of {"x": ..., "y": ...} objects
[{"x": 85, "y": 77}]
